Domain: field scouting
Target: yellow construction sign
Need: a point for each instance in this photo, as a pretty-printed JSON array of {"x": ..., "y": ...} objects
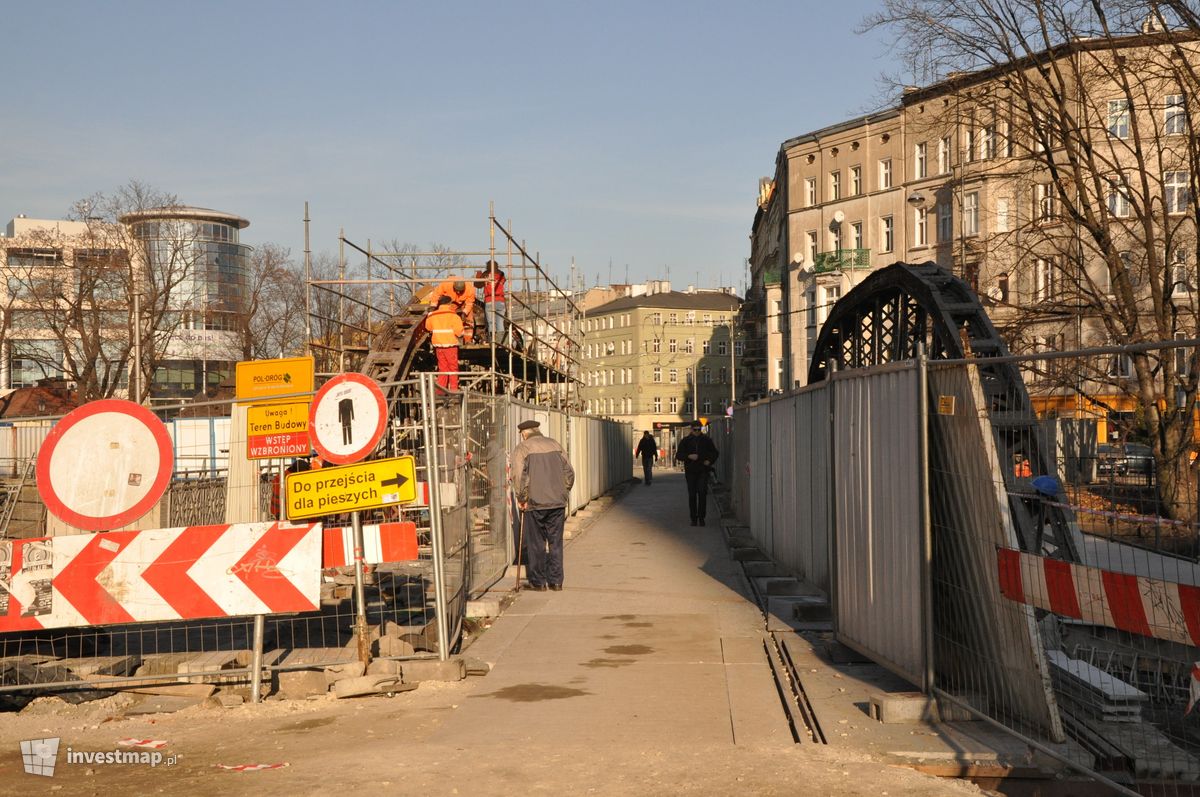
[
  {"x": 349, "y": 488},
  {"x": 277, "y": 430},
  {"x": 262, "y": 379}
]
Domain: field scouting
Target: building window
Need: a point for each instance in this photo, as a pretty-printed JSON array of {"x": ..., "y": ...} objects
[
  {"x": 810, "y": 300},
  {"x": 657, "y": 404},
  {"x": 656, "y": 319},
  {"x": 657, "y": 374},
  {"x": 945, "y": 223},
  {"x": 987, "y": 145},
  {"x": 687, "y": 406},
  {"x": 1118, "y": 118},
  {"x": 1044, "y": 202},
  {"x": 810, "y": 192},
  {"x": 1044, "y": 279},
  {"x": 776, "y": 313},
  {"x": 689, "y": 346},
  {"x": 779, "y": 373},
  {"x": 673, "y": 376},
  {"x": 885, "y": 173},
  {"x": 1119, "y": 204},
  {"x": 971, "y": 213},
  {"x": 722, "y": 348},
  {"x": 723, "y": 374},
  {"x": 708, "y": 406},
  {"x": 1176, "y": 191},
  {"x": 835, "y": 185},
  {"x": 32, "y": 360},
  {"x": 920, "y": 167},
  {"x": 972, "y": 142},
  {"x": 672, "y": 346},
  {"x": 739, "y": 348},
  {"x": 689, "y": 318},
  {"x": 887, "y": 234},
  {"x": 832, "y": 294},
  {"x": 1001, "y": 215},
  {"x": 656, "y": 346},
  {"x": 921, "y": 227},
  {"x": 944, "y": 155},
  {"x": 706, "y": 347},
  {"x": 1121, "y": 366},
  {"x": 855, "y": 180},
  {"x": 1002, "y": 288},
  {"x": 705, "y": 375},
  {"x": 673, "y": 404},
  {"x": 835, "y": 238},
  {"x": 708, "y": 319},
  {"x": 1181, "y": 281},
  {"x": 1174, "y": 115},
  {"x": 812, "y": 246},
  {"x": 856, "y": 235},
  {"x": 1005, "y": 140}
]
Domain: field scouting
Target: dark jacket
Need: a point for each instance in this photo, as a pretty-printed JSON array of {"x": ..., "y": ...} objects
[
  {"x": 647, "y": 448},
  {"x": 541, "y": 474},
  {"x": 701, "y": 445}
]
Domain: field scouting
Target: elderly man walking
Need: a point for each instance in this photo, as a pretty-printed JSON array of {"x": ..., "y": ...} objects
[
  {"x": 542, "y": 479},
  {"x": 697, "y": 452}
]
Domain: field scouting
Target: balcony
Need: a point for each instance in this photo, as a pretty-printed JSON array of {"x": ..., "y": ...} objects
[
  {"x": 841, "y": 260},
  {"x": 772, "y": 276}
]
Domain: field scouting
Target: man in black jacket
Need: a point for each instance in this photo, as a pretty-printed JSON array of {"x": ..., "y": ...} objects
[
  {"x": 647, "y": 449},
  {"x": 697, "y": 452}
]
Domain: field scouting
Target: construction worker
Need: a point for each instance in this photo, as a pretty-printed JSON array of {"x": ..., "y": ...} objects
[
  {"x": 445, "y": 329},
  {"x": 493, "y": 296},
  {"x": 462, "y": 294}
]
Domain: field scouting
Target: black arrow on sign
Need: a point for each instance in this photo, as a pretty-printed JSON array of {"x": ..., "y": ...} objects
[{"x": 398, "y": 481}]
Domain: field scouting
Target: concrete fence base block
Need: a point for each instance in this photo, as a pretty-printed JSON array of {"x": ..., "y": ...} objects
[
  {"x": 340, "y": 672},
  {"x": 385, "y": 667},
  {"x": 777, "y": 585},
  {"x": 902, "y": 707},
  {"x": 299, "y": 684},
  {"x": 434, "y": 670},
  {"x": 390, "y": 646},
  {"x": 761, "y": 569},
  {"x": 483, "y": 607},
  {"x": 748, "y": 555}
]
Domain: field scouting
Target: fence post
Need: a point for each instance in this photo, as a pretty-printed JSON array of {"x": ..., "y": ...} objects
[
  {"x": 923, "y": 509},
  {"x": 257, "y": 661},
  {"x": 433, "y": 474}
]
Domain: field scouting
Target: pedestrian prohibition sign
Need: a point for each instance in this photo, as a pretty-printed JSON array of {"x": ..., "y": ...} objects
[
  {"x": 349, "y": 488},
  {"x": 347, "y": 418}
]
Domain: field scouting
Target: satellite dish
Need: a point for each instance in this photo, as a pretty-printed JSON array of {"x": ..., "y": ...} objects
[
  {"x": 995, "y": 294},
  {"x": 838, "y": 217}
]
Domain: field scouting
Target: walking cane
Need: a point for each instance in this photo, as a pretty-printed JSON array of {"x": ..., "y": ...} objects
[{"x": 520, "y": 543}]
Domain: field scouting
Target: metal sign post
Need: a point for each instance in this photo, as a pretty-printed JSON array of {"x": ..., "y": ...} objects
[
  {"x": 433, "y": 477},
  {"x": 360, "y": 591}
]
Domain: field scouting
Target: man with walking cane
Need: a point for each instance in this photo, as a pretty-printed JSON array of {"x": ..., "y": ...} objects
[{"x": 542, "y": 479}]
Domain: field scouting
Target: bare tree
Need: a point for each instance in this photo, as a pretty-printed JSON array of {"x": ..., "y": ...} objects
[{"x": 1092, "y": 102}]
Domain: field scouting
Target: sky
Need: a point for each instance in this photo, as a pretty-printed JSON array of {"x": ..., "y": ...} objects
[{"x": 624, "y": 133}]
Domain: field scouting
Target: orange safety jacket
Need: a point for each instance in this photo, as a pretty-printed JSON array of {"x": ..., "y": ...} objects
[
  {"x": 444, "y": 325},
  {"x": 465, "y": 301}
]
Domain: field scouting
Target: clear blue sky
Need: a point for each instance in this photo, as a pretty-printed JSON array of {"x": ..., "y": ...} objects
[{"x": 626, "y": 131}]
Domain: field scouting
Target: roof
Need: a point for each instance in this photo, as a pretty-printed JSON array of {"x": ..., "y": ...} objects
[
  {"x": 186, "y": 212},
  {"x": 675, "y": 300},
  {"x": 841, "y": 127},
  {"x": 33, "y": 402}
]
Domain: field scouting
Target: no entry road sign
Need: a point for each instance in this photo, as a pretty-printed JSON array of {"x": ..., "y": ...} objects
[
  {"x": 349, "y": 488},
  {"x": 104, "y": 465},
  {"x": 347, "y": 419}
]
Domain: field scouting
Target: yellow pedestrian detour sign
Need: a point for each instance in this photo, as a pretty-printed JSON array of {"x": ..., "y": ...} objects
[{"x": 349, "y": 488}]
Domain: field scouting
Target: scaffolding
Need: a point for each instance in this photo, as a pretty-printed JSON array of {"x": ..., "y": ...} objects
[{"x": 368, "y": 317}]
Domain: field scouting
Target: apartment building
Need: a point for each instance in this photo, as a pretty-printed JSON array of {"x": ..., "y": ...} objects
[
  {"x": 661, "y": 357},
  {"x": 1047, "y": 213}
]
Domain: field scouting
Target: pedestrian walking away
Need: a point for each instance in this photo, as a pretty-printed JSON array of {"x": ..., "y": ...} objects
[
  {"x": 445, "y": 329},
  {"x": 697, "y": 452},
  {"x": 542, "y": 479},
  {"x": 647, "y": 449}
]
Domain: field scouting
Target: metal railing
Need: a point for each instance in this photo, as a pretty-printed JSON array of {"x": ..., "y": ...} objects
[{"x": 841, "y": 260}]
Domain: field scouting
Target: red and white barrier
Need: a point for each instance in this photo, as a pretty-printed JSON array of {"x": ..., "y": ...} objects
[
  {"x": 159, "y": 574},
  {"x": 386, "y": 542},
  {"x": 1144, "y": 606},
  {"x": 448, "y": 495}
]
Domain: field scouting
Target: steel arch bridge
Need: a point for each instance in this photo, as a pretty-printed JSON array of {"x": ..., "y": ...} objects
[{"x": 903, "y": 311}]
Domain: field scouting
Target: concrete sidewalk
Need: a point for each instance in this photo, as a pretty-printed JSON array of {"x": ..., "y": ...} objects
[{"x": 654, "y": 636}]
